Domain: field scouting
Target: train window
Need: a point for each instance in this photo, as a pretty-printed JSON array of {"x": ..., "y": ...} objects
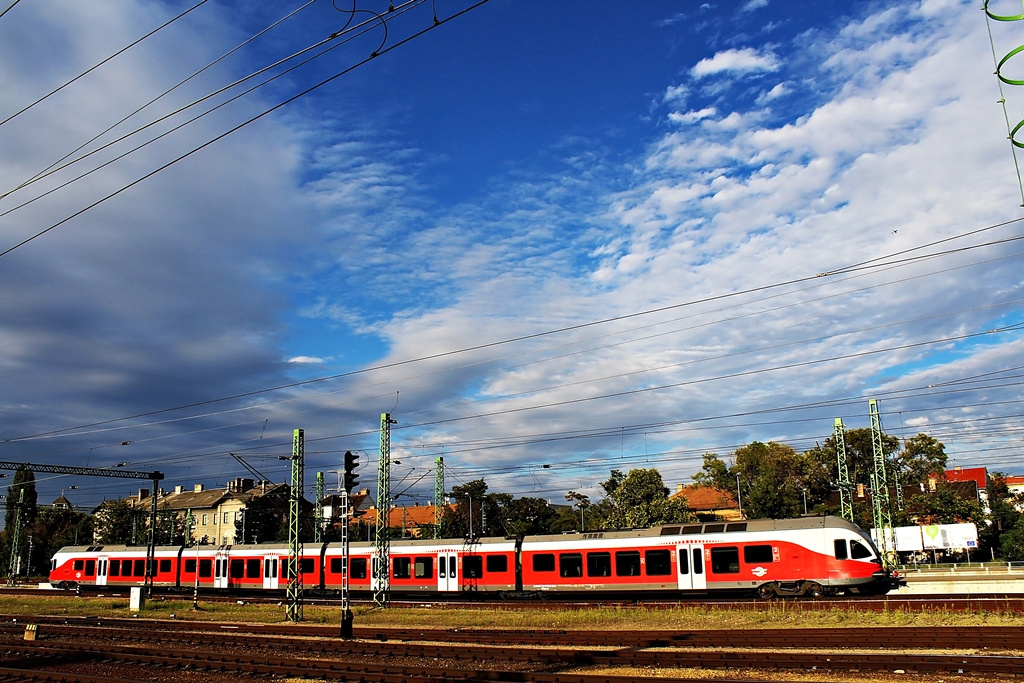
[
  {"x": 757, "y": 554},
  {"x": 306, "y": 565},
  {"x": 78, "y": 565},
  {"x": 205, "y": 568},
  {"x": 669, "y": 530},
  {"x": 857, "y": 551},
  {"x": 698, "y": 561},
  {"x": 252, "y": 569},
  {"x": 90, "y": 567},
  {"x": 658, "y": 562},
  {"x": 684, "y": 564},
  {"x": 736, "y": 526},
  {"x": 692, "y": 529},
  {"x": 570, "y": 565},
  {"x": 472, "y": 567},
  {"x": 544, "y": 562},
  {"x": 627, "y": 563},
  {"x": 497, "y": 563},
  {"x": 115, "y": 568},
  {"x": 165, "y": 566},
  {"x": 453, "y": 567},
  {"x": 140, "y": 568},
  {"x": 599, "y": 564},
  {"x": 725, "y": 560},
  {"x": 714, "y": 528},
  {"x": 237, "y": 569},
  {"x": 357, "y": 568},
  {"x": 335, "y": 565},
  {"x": 423, "y": 568},
  {"x": 841, "y": 552},
  {"x": 400, "y": 568},
  {"x": 190, "y": 566}
]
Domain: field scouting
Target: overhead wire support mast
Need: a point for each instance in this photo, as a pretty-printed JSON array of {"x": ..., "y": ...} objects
[
  {"x": 438, "y": 495},
  {"x": 382, "y": 537},
  {"x": 845, "y": 488},
  {"x": 294, "y": 576},
  {"x": 155, "y": 477},
  {"x": 881, "y": 506}
]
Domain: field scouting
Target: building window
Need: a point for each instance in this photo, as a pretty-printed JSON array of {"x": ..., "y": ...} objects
[{"x": 205, "y": 519}]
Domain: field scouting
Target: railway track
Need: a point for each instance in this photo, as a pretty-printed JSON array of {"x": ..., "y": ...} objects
[{"x": 379, "y": 654}]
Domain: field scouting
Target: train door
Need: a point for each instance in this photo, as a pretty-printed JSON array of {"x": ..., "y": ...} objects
[
  {"x": 690, "y": 566},
  {"x": 272, "y": 564},
  {"x": 447, "y": 572},
  {"x": 220, "y": 569},
  {"x": 101, "y": 570}
]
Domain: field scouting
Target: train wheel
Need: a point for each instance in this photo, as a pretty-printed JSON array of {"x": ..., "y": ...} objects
[
  {"x": 766, "y": 591},
  {"x": 814, "y": 590}
]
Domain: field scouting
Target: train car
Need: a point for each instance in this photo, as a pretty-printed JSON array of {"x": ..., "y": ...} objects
[
  {"x": 422, "y": 566},
  {"x": 808, "y": 556},
  {"x": 811, "y": 556}
]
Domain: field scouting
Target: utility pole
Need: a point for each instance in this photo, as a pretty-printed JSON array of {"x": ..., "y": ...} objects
[
  {"x": 15, "y": 566},
  {"x": 845, "y": 489},
  {"x": 294, "y": 576},
  {"x": 382, "y": 540},
  {"x": 438, "y": 495},
  {"x": 318, "y": 511},
  {"x": 880, "y": 505}
]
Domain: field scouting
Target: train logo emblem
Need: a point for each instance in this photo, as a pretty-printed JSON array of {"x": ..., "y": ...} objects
[{"x": 758, "y": 571}]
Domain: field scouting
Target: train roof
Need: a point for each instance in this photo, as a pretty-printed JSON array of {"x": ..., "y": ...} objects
[{"x": 701, "y": 528}]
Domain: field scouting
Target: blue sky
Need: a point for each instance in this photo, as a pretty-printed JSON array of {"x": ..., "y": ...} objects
[{"x": 575, "y": 234}]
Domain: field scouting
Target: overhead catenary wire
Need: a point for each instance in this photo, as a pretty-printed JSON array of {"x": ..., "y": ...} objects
[
  {"x": 101, "y": 63},
  {"x": 454, "y": 352},
  {"x": 56, "y": 165},
  {"x": 238, "y": 127}
]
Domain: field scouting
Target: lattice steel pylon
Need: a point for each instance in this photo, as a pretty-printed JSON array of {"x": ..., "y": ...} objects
[
  {"x": 293, "y": 575},
  {"x": 382, "y": 538},
  {"x": 19, "y": 514},
  {"x": 318, "y": 511},
  {"x": 438, "y": 495},
  {"x": 881, "y": 507},
  {"x": 845, "y": 487}
]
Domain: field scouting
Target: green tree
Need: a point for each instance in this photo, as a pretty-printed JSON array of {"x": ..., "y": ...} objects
[
  {"x": 923, "y": 455},
  {"x": 1012, "y": 542},
  {"x": 945, "y": 506},
  {"x": 115, "y": 522},
  {"x": 526, "y": 516},
  {"x": 20, "y": 505},
  {"x": 640, "y": 500},
  {"x": 54, "y": 528},
  {"x": 860, "y": 455},
  {"x": 1004, "y": 512},
  {"x": 714, "y": 473},
  {"x": 469, "y": 507},
  {"x": 772, "y": 480}
]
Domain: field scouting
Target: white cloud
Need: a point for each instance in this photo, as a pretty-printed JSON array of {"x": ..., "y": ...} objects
[
  {"x": 742, "y": 61},
  {"x": 306, "y": 360}
]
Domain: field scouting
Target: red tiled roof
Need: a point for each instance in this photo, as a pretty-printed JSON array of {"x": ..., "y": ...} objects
[
  {"x": 979, "y": 475},
  {"x": 706, "y": 498}
]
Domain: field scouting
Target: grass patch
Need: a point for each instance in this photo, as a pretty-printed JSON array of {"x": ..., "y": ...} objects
[{"x": 774, "y": 615}]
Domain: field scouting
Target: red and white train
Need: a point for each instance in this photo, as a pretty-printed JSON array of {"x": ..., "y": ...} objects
[{"x": 811, "y": 556}]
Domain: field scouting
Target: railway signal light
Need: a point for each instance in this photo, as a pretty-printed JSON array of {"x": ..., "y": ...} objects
[{"x": 351, "y": 478}]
